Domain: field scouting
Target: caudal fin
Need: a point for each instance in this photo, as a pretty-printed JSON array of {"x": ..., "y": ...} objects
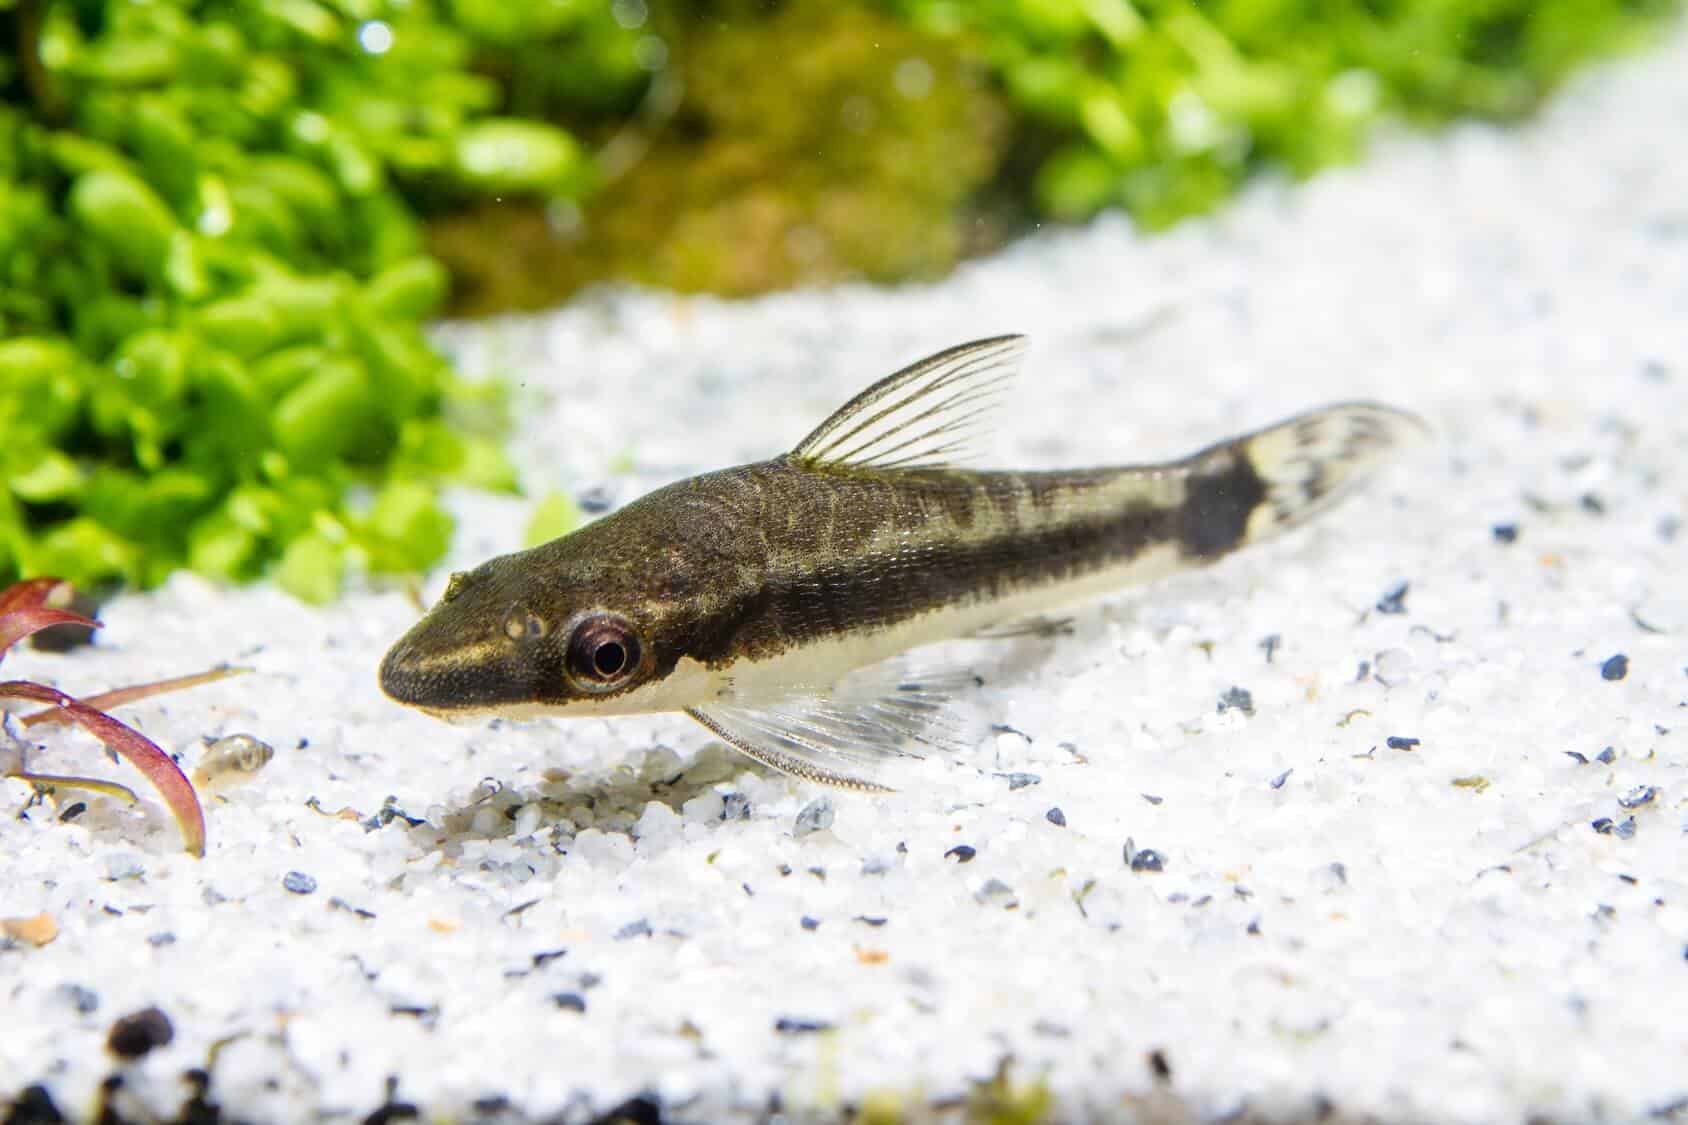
[{"x": 1252, "y": 487}]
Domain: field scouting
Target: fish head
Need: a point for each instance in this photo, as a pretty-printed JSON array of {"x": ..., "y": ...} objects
[{"x": 593, "y": 623}]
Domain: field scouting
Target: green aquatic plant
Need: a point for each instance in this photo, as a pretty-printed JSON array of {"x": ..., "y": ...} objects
[
  {"x": 213, "y": 283},
  {"x": 223, "y": 222},
  {"x": 818, "y": 140},
  {"x": 1165, "y": 106}
]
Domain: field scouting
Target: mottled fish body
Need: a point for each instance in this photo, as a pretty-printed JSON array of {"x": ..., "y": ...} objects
[{"x": 747, "y": 597}]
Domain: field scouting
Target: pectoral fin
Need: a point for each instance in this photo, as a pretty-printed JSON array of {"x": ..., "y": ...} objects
[
  {"x": 1039, "y": 626},
  {"x": 852, "y": 735}
]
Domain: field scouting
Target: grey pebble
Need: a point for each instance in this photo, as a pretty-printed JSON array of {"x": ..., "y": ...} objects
[
  {"x": 962, "y": 853},
  {"x": 1056, "y": 817},
  {"x": 1278, "y": 782},
  {"x": 735, "y": 806},
  {"x": 810, "y": 924},
  {"x": 299, "y": 883},
  {"x": 1239, "y": 698},
  {"x": 1635, "y": 798},
  {"x": 338, "y": 903},
  {"x": 995, "y": 890},
  {"x": 1615, "y": 668},
  {"x": 569, "y": 1001},
  {"x": 636, "y": 928},
  {"x": 84, "y": 1000},
  {"x": 1022, "y": 780},
  {"x": 816, "y": 815},
  {"x": 1395, "y": 600},
  {"x": 1146, "y": 860}
]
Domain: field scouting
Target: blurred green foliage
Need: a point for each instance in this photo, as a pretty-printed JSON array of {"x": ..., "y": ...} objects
[
  {"x": 224, "y": 222},
  {"x": 213, "y": 280},
  {"x": 787, "y": 141},
  {"x": 1164, "y": 106},
  {"x": 779, "y": 143}
]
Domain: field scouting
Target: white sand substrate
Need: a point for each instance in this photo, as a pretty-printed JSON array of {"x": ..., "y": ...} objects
[{"x": 550, "y": 918}]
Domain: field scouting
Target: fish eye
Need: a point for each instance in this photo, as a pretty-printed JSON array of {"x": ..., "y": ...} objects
[
  {"x": 603, "y": 653},
  {"x": 522, "y": 624}
]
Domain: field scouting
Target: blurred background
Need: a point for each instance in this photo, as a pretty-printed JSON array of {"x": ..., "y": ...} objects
[{"x": 225, "y": 224}]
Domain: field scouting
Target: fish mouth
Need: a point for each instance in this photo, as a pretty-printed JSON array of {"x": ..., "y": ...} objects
[
  {"x": 404, "y": 685},
  {"x": 456, "y": 682},
  {"x": 403, "y": 680},
  {"x": 417, "y": 679}
]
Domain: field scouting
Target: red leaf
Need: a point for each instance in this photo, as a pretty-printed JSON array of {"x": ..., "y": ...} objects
[
  {"x": 16, "y": 624},
  {"x": 141, "y": 751},
  {"x": 34, "y": 592}
]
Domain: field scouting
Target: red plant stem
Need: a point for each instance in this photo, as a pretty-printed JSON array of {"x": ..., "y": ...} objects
[
  {"x": 155, "y": 765},
  {"x": 117, "y": 697}
]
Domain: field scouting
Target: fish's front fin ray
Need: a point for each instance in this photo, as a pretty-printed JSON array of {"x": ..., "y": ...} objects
[
  {"x": 853, "y": 734},
  {"x": 925, "y": 416}
]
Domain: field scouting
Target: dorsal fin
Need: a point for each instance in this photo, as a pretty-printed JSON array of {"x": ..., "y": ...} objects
[{"x": 924, "y": 416}]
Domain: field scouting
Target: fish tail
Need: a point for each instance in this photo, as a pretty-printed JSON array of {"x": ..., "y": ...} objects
[{"x": 1253, "y": 487}]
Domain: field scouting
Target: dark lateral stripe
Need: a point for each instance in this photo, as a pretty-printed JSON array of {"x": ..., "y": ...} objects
[{"x": 839, "y": 597}]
